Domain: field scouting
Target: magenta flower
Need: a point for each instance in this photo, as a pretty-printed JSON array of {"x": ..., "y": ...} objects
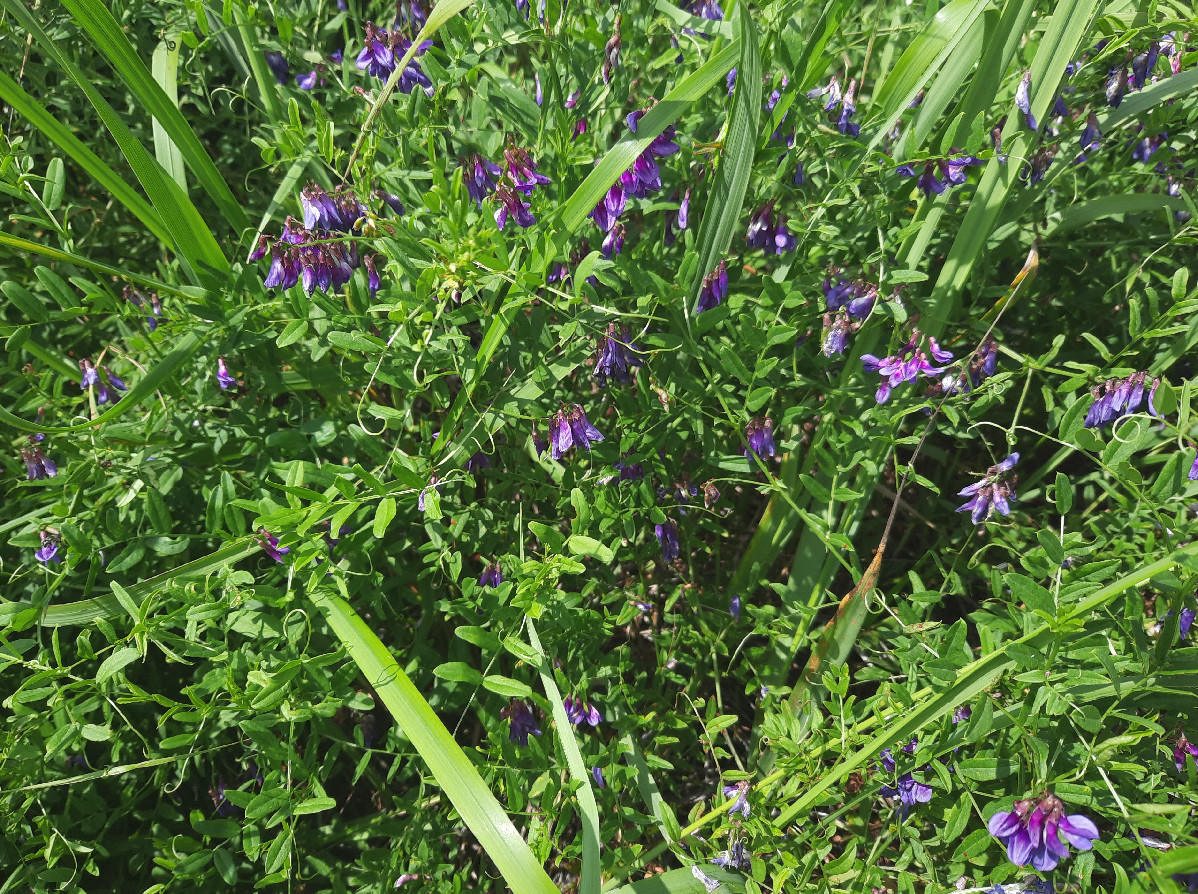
[
  {"x": 1031, "y": 831},
  {"x": 511, "y": 205},
  {"x": 522, "y": 170},
  {"x": 906, "y": 366},
  {"x": 1181, "y": 748},
  {"x": 223, "y": 377}
]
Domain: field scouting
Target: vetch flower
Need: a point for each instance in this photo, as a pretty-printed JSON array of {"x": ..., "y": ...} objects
[
  {"x": 963, "y": 712},
  {"x": 836, "y": 333},
  {"x": 391, "y": 200},
  {"x": 617, "y": 356},
  {"x": 769, "y": 233},
  {"x": 994, "y": 491},
  {"x": 223, "y": 377},
  {"x": 1146, "y": 148},
  {"x": 1023, "y": 100},
  {"x": 309, "y": 80},
  {"x": 1115, "y": 399},
  {"x": 613, "y": 242},
  {"x": 1031, "y": 831},
  {"x": 597, "y": 775},
  {"x": 480, "y": 177},
  {"x": 733, "y": 858},
  {"x": 540, "y": 95},
  {"x": 906, "y": 366},
  {"x": 611, "y": 52},
  {"x": 510, "y": 204},
  {"x": 38, "y": 466},
  {"x": 714, "y": 288},
  {"x": 667, "y": 536},
  {"x": 1033, "y": 170},
  {"x": 579, "y": 712},
  {"x": 734, "y": 608},
  {"x": 339, "y": 211},
  {"x": 1091, "y": 134},
  {"x": 760, "y": 435},
  {"x": 569, "y": 427},
  {"x": 610, "y": 207},
  {"x": 492, "y": 575},
  {"x": 1193, "y": 473},
  {"x": 740, "y": 791},
  {"x": 678, "y": 221},
  {"x": 48, "y": 554},
  {"x": 856, "y": 296},
  {"x": 270, "y": 545},
  {"x": 1182, "y": 747},
  {"x": 278, "y": 65},
  {"x": 711, "y": 494},
  {"x": 521, "y": 169},
  {"x": 376, "y": 56},
  {"x": 909, "y": 792},
  {"x": 1184, "y": 622},
  {"x": 521, "y": 722},
  {"x": 1116, "y": 86}
]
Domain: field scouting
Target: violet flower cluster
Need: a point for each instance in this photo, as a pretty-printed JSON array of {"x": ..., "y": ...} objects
[
  {"x": 768, "y": 232},
  {"x": 1115, "y": 399},
  {"x": 842, "y": 101},
  {"x": 90, "y": 379},
  {"x": 480, "y": 176},
  {"x": 907, "y": 789},
  {"x": 907, "y": 365},
  {"x": 521, "y": 722},
  {"x": 580, "y": 711},
  {"x": 996, "y": 490},
  {"x": 667, "y": 537},
  {"x": 492, "y": 575},
  {"x": 760, "y": 435},
  {"x": 523, "y": 177},
  {"x": 952, "y": 171},
  {"x": 982, "y": 365},
  {"x": 38, "y": 466},
  {"x": 382, "y": 52},
  {"x": 849, "y": 302},
  {"x": 569, "y": 427},
  {"x": 714, "y": 288},
  {"x": 617, "y": 355},
  {"x": 1032, "y": 831},
  {"x": 314, "y": 256}
]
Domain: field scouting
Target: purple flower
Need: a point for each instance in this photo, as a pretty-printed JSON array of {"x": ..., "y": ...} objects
[
  {"x": 522, "y": 170},
  {"x": 569, "y": 427},
  {"x": 391, "y": 200},
  {"x": 376, "y": 57},
  {"x": 1193, "y": 474},
  {"x": 734, "y": 608},
  {"x": 847, "y": 110},
  {"x": 1023, "y": 100},
  {"x": 579, "y": 712},
  {"x": 714, "y": 288},
  {"x": 994, "y": 491},
  {"x": 617, "y": 355},
  {"x": 629, "y": 471},
  {"x": 510, "y": 204},
  {"x": 1033, "y": 170},
  {"x": 1091, "y": 134},
  {"x": 730, "y": 80},
  {"x": 115, "y": 382},
  {"x": 492, "y": 575},
  {"x": 522, "y": 722},
  {"x": 1181, "y": 748},
  {"x": 711, "y": 494},
  {"x": 1116, "y": 86},
  {"x": 597, "y": 775},
  {"x": 277, "y": 65},
  {"x": 480, "y": 177},
  {"x": 740, "y": 791},
  {"x": 339, "y": 211},
  {"x": 223, "y": 377},
  {"x": 48, "y": 554},
  {"x": 613, "y": 242},
  {"x": 37, "y": 465},
  {"x": 1147, "y": 147},
  {"x": 1032, "y": 830},
  {"x": 733, "y": 858},
  {"x": 307, "y": 81},
  {"x": 760, "y": 435},
  {"x": 1117, "y": 398},
  {"x": 90, "y": 376},
  {"x": 1143, "y": 64},
  {"x": 856, "y": 296},
  {"x": 962, "y": 713},
  {"x": 769, "y": 233},
  {"x": 270, "y": 545},
  {"x": 1185, "y": 622},
  {"x": 905, "y": 366},
  {"x": 667, "y": 536},
  {"x": 610, "y": 207},
  {"x": 611, "y": 53},
  {"x": 681, "y": 220},
  {"x": 836, "y": 333},
  {"x": 909, "y": 792},
  {"x": 540, "y": 96}
]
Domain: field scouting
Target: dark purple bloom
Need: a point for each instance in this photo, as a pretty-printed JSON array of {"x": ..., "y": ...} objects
[
  {"x": 1091, "y": 134},
  {"x": 740, "y": 791},
  {"x": 769, "y": 233},
  {"x": 115, "y": 382},
  {"x": 223, "y": 377},
  {"x": 510, "y": 204},
  {"x": 307, "y": 81},
  {"x": 667, "y": 536},
  {"x": 909, "y": 792},
  {"x": 905, "y": 366},
  {"x": 928, "y": 182},
  {"x": 477, "y": 462},
  {"x": 730, "y": 80},
  {"x": 613, "y": 242},
  {"x": 1181, "y": 748},
  {"x": 579, "y": 712},
  {"x": 270, "y": 545},
  {"x": 1117, "y": 398},
  {"x": 1034, "y": 170},
  {"x": 610, "y": 207},
  {"x": 1032, "y": 830},
  {"x": 492, "y": 575},
  {"x": 963, "y": 712},
  {"x": 1185, "y": 622},
  {"x": 339, "y": 211},
  {"x": 372, "y": 274},
  {"x": 90, "y": 376},
  {"x": 337, "y": 56},
  {"x": 1116, "y": 86},
  {"x": 597, "y": 775},
  {"x": 277, "y": 65},
  {"x": 760, "y": 435},
  {"x": 522, "y": 170},
  {"x": 1059, "y": 109},
  {"x": 847, "y": 110},
  {"x": 617, "y": 355},
  {"x": 376, "y": 57},
  {"x": 680, "y": 221},
  {"x": 611, "y": 53},
  {"x": 37, "y": 465},
  {"x": 1193, "y": 473},
  {"x": 836, "y": 333},
  {"x": 391, "y": 200},
  {"x": 522, "y": 722},
  {"x": 954, "y": 168},
  {"x": 48, "y": 554},
  {"x": 994, "y": 491},
  {"x": 630, "y": 471},
  {"x": 734, "y": 608},
  {"x": 480, "y": 176},
  {"x": 1023, "y": 100},
  {"x": 569, "y": 427},
  {"x": 714, "y": 288},
  {"x": 1146, "y": 148},
  {"x": 1142, "y": 66}
]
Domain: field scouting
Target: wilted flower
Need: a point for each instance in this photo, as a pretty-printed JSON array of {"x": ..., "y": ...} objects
[
  {"x": 760, "y": 435},
  {"x": 1116, "y": 86},
  {"x": 994, "y": 491},
  {"x": 492, "y": 575},
  {"x": 711, "y": 494},
  {"x": 618, "y": 354},
  {"x": 1034, "y": 170},
  {"x": 1023, "y": 100},
  {"x": 667, "y": 536},
  {"x": 391, "y": 200},
  {"x": 1032, "y": 830},
  {"x": 569, "y": 427},
  {"x": 740, "y": 791},
  {"x": 836, "y": 332},
  {"x": 714, "y": 288},
  {"x": 522, "y": 722},
  {"x": 733, "y": 858},
  {"x": 270, "y": 545},
  {"x": 579, "y": 711},
  {"x": 1091, "y": 134},
  {"x": 611, "y": 52},
  {"x": 480, "y": 177}
]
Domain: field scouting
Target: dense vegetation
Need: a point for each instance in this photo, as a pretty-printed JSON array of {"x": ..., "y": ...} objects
[{"x": 563, "y": 446}]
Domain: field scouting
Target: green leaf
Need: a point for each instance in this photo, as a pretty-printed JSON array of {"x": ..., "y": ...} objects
[
  {"x": 458, "y": 672},
  {"x": 450, "y": 767},
  {"x": 383, "y": 516},
  {"x": 165, "y": 66},
  {"x": 116, "y": 662},
  {"x": 25, "y": 301},
  {"x": 56, "y": 184},
  {"x": 580, "y": 545}
]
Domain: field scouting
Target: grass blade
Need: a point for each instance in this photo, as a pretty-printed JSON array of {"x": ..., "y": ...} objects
[
  {"x": 450, "y": 766},
  {"x": 165, "y": 64}
]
